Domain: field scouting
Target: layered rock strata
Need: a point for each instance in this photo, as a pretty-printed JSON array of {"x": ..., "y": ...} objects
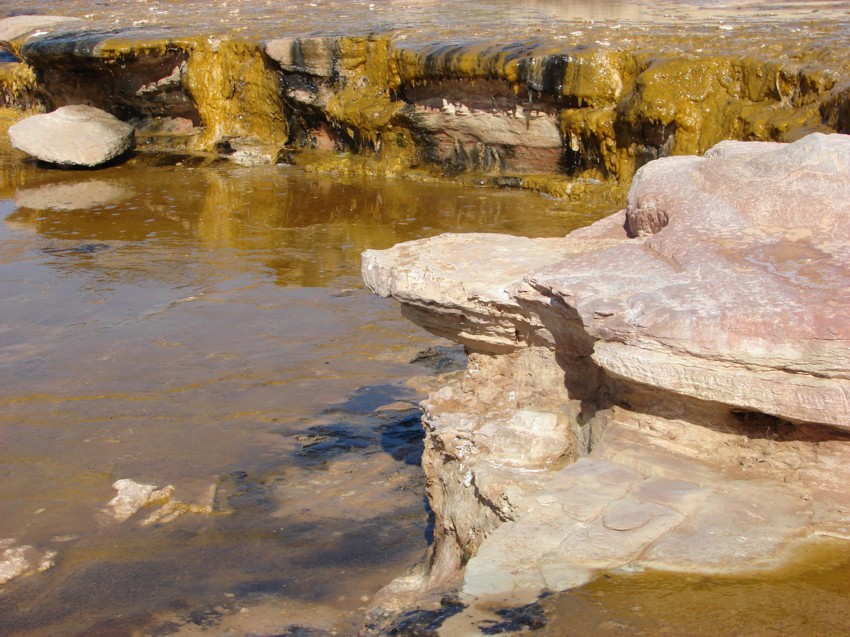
[
  {"x": 581, "y": 107},
  {"x": 667, "y": 388}
]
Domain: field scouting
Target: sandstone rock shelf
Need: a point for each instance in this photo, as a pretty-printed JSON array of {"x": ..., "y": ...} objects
[{"x": 683, "y": 365}]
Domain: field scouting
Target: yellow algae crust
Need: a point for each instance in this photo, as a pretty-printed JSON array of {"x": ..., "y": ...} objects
[{"x": 388, "y": 107}]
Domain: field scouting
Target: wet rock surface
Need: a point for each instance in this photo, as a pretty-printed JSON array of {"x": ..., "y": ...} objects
[
  {"x": 692, "y": 345},
  {"x": 76, "y": 135},
  {"x": 19, "y": 26}
]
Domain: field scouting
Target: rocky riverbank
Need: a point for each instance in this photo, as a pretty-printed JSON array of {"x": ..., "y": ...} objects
[
  {"x": 667, "y": 388},
  {"x": 568, "y": 114}
]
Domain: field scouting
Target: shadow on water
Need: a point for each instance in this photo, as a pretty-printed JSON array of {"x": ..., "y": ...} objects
[
  {"x": 425, "y": 622},
  {"x": 442, "y": 359},
  {"x": 376, "y": 418},
  {"x": 303, "y": 631},
  {"x": 381, "y": 418},
  {"x": 528, "y": 617},
  {"x": 314, "y": 544}
]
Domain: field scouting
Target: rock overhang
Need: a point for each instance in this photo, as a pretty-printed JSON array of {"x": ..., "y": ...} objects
[{"x": 725, "y": 278}]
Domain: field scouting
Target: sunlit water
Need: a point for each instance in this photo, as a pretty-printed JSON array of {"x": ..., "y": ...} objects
[
  {"x": 806, "y": 598},
  {"x": 207, "y": 328},
  {"x": 428, "y": 21}
]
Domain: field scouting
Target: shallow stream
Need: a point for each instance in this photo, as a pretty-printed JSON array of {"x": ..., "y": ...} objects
[{"x": 205, "y": 326}]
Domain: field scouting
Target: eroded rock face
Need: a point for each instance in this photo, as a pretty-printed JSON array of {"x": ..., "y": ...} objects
[
  {"x": 531, "y": 113},
  {"x": 76, "y": 135},
  {"x": 690, "y": 353}
]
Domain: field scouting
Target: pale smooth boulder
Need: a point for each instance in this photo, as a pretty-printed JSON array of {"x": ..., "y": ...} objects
[{"x": 75, "y": 135}]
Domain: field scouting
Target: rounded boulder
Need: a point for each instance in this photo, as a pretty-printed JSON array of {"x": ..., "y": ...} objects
[{"x": 75, "y": 135}]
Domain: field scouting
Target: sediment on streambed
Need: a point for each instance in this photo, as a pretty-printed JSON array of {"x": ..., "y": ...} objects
[{"x": 561, "y": 117}]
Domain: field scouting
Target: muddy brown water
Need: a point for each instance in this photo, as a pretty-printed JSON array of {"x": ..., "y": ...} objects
[
  {"x": 806, "y": 597},
  {"x": 423, "y": 21},
  {"x": 206, "y": 327}
]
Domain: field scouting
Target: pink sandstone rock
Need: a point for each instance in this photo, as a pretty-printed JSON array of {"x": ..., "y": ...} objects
[
  {"x": 736, "y": 287},
  {"x": 692, "y": 351}
]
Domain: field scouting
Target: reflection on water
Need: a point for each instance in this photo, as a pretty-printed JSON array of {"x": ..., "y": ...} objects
[
  {"x": 74, "y": 195},
  {"x": 206, "y": 328},
  {"x": 807, "y": 598},
  {"x": 304, "y": 231}
]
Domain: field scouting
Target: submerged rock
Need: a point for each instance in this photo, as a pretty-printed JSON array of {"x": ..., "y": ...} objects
[
  {"x": 76, "y": 135},
  {"x": 695, "y": 349},
  {"x": 133, "y": 495},
  {"x": 17, "y": 560}
]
